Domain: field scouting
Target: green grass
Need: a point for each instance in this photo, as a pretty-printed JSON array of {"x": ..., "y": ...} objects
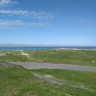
[
  {"x": 75, "y": 57},
  {"x": 18, "y": 81}
]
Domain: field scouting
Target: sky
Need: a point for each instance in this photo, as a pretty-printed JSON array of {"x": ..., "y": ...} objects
[{"x": 48, "y": 22}]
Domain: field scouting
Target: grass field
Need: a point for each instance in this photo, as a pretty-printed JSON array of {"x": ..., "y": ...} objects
[
  {"x": 75, "y": 57},
  {"x": 18, "y": 81}
]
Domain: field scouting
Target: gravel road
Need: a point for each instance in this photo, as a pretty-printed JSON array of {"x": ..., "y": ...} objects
[{"x": 56, "y": 66}]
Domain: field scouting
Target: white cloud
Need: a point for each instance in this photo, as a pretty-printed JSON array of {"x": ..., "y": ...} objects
[
  {"x": 16, "y": 12},
  {"x": 8, "y": 27},
  {"x": 6, "y": 2},
  {"x": 10, "y": 22},
  {"x": 33, "y": 14},
  {"x": 20, "y": 23}
]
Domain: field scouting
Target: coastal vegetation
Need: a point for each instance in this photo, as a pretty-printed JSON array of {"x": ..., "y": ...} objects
[
  {"x": 18, "y": 81},
  {"x": 58, "y": 56}
]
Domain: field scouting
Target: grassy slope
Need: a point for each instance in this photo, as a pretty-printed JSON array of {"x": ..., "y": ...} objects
[
  {"x": 17, "y": 81},
  {"x": 78, "y": 57}
]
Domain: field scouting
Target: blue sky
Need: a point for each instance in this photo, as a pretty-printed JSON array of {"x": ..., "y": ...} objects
[{"x": 48, "y": 22}]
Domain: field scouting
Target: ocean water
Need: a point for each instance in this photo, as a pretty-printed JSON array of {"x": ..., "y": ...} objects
[{"x": 41, "y": 48}]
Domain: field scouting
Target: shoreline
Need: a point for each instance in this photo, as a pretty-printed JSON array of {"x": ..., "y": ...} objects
[{"x": 45, "y": 48}]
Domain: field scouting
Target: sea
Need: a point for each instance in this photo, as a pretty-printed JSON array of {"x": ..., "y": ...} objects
[{"x": 43, "y": 48}]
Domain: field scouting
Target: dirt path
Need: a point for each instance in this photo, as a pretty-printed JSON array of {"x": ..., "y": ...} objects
[{"x": 56, "y": 66}]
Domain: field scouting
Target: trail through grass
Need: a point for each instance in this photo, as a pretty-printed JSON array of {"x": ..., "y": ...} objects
[{"x": 18, "y": 81}]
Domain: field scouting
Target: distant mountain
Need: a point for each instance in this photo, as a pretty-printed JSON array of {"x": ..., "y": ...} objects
[
  {"x": 38, "y": 45},
  {"x": 17, "y": 45}
]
